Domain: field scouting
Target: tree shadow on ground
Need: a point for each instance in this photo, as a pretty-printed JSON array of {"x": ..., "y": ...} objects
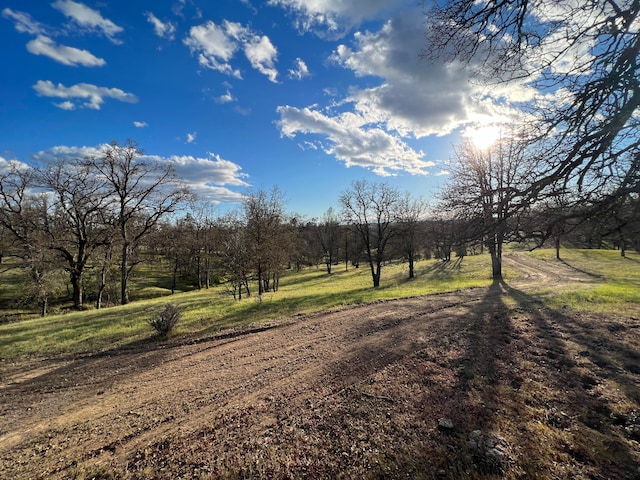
[
  {"x": 577, "y": 393},
  {"x": 503, "y": 386},
  {"x": 553, "y": 384},
  {"x": 443, "y": 270},
  {"x": 579, "y": 270}
]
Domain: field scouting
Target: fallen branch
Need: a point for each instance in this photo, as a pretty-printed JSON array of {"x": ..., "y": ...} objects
[{"x": 371, "y": 395}]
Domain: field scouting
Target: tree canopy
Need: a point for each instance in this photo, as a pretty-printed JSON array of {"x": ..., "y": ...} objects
[{"x": 580, "y": 61}]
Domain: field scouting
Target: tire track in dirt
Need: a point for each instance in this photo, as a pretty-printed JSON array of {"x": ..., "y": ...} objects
[
  {"x": 175, "y": 389},
  {"x": 543, "y": 272}
]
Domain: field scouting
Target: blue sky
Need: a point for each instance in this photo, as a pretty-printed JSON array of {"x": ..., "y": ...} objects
[{"x": 308, "y": 95}]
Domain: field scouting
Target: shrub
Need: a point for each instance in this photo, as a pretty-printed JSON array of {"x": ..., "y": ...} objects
[{"x": 164, "y": 321}]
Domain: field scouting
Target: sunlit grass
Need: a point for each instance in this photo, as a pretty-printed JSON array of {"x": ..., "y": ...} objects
[
  {"x": 614, "y": 285},
  {"x": 208, "y": 311}
]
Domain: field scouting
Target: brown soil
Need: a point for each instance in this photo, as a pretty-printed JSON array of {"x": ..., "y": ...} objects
[{"x": 480, "y": 383}]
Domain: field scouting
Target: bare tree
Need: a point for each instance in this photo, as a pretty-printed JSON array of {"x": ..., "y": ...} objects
[
  {"x": 104, "y": 271},
  {"x": 410, "y": 217},
  {"x": 16, "y": 203},
  {"x": 583, "y": 58},
  {"x": 263, "y": 219},
  {"x": 23, "y": 214},
  {"x": 235, "y": 255},
  {"x": 75, "y": 226},
  {"x": 328, "y": 235},
  {"x": 143, "y": 191},
  {"x": 205, "y": 241},
  {"x": 486, "y": 189},
  {"x": 370, "y": 209}
]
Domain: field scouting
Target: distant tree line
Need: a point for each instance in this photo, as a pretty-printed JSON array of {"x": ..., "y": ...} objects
[
  {"x": 569, "y": 174},
  {"x": 80, "y": 229}
]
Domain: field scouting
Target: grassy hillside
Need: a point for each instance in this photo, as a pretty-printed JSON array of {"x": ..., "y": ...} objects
[{"x": 616, "y": 288}]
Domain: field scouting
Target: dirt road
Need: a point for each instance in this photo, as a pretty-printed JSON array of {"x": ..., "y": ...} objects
[{"x": 464, "y": 384}]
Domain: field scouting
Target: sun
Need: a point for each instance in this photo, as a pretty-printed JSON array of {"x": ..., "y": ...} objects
[{"x": 483, "y": 136}]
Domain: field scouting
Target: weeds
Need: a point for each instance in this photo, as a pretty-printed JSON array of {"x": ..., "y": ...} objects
[{"x": 165, "y": 320}]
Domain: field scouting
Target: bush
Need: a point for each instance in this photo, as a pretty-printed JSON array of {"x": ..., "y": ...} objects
[{"x": 165, "y": 320}]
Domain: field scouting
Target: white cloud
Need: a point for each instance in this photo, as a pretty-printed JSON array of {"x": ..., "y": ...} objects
[
  {"x": 262, "y": 54},
  {"x": 140, "y": 124},
  {"x": 8, "y": 165},
  {"x": 216, "y": 45},
  {"x": 191, "y": 137},
  {"x": 213, "y": 46},
  {"x": 355, "y": 142},
  {"x": 87, "y": 95},
  {"x": 300, "y": 70},
  {"x": 248, "y": 4},
  {"x": 408, "y": 99},
  {"x": 63, "y": 152},
  {"x": 42, "y": 45},
  {"x": 210, "y": 178},
  {"x": 336, "y": 17},
  {"x": 209, "y": 171},
  {"x": 225, "y": 98},
  {"x": 163, "y": 30},
  {"x": 244, "y": 111},
  {"x": 88, "y": 18},
  {"x": 23, "y": 22},
  {"x": 66, "y": 105},
  {"x": 413, "y": 97}
]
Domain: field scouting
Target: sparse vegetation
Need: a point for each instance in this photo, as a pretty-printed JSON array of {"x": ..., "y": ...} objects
[
  {"x": 166, "y": 320},
  {"x": 208, "y": 311}
]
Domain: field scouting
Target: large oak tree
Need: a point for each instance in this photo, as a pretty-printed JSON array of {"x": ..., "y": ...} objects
[
  {"x": 143, "y": 192},
  {"x": 583, "y": 59}
]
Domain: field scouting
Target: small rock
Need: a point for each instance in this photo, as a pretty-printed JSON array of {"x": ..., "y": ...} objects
[
  {"x": 445, "y": 424},
  {"x": 490, "y": 451}
]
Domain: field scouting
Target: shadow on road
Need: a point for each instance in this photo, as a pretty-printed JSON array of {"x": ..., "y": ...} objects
[{"x": 502, "y": 384}]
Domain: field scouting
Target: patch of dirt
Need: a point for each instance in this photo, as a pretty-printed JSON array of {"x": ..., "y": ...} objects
[{"x": 481, "y": 383}]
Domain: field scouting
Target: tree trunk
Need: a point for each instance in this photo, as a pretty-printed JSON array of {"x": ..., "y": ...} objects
[
  {"x": 496, "y": 267},
  {"x": 346, "y": 252},
  {"x": 124, "y": 275},
  {"x": 207, "y": 273},
  {"x": 558, "y": 248},
  {"x": 102, "y": 285},
  {"x": 76, "y": 284},
  {"x": 376, "y": 274},
  {"x": 260, "y": 286},
  {"x": 100, "y": 293},
  {"x": 495, "y": 250},
  {"x": 174, "y": 281},
  {"x": 199, "y": 271},
  {"x": 411, "y": 272}
]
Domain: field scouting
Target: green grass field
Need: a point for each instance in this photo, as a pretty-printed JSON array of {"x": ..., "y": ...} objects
[
  {"x": 616, "y": 287},
  {"x": 616, "y": 281}
]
